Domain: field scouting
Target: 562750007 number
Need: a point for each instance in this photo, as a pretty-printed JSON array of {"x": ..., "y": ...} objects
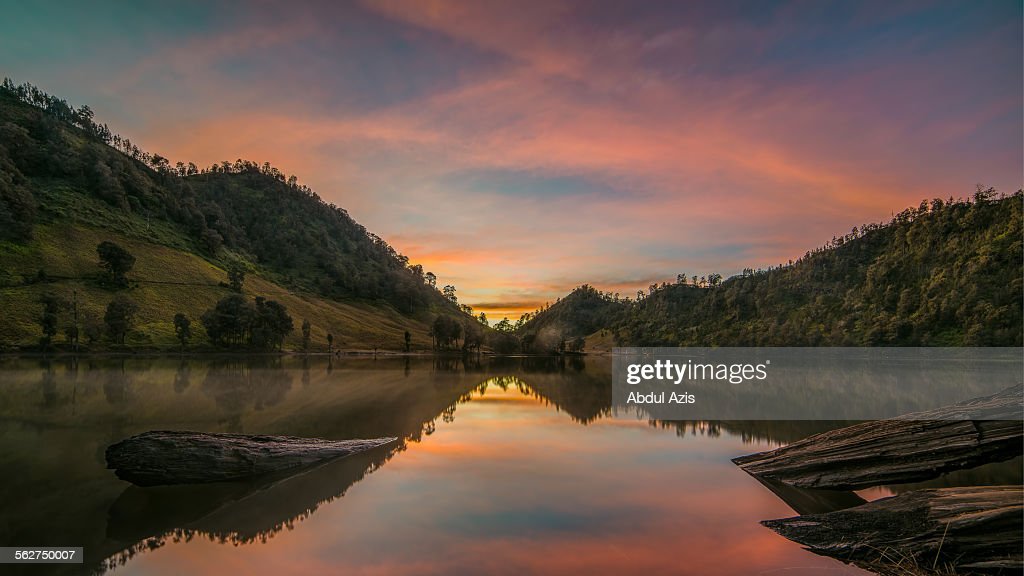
[
  {"x": 40, "y": 554},
  {"x": 44, "y": 554}
]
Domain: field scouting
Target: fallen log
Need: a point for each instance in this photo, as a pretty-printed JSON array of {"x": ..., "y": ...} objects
[
  {"x": 164, "y": 457},
  {"x": 911, "y": 448},
  {"x": 969, "y": 530}
]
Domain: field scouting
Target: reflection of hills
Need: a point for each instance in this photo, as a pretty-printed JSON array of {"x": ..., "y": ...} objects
[
  {"x": 582, "y": 388},
  {"x": 236, "y": 385},
  {"x": 55, "y": 424},
  {"x": 567, "y": 384},
  {"x": 750, "y": 431},
  {"x": 243, "y": 512},
  {"x": 237, "y": 512}
]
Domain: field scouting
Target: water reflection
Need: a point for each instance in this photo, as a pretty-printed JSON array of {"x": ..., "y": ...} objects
[
  {"x": 234, "y": 513},
  {"x": 532, "y": 462}
]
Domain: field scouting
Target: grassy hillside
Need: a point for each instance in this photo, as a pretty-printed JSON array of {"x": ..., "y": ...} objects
[
  {"x": 166, "y": 281},
  {"x": 947, "y": 273},
  {"x": 68, "y": 183}
]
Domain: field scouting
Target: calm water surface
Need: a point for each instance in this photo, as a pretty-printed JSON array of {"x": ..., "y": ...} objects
[{"x": 506, "y": 466}]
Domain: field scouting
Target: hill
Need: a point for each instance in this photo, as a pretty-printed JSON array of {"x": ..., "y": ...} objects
[
  {"x": 564, "y": 325},
  {"x": 947, "y": 273},
  {"x": 67, "y": 184}
]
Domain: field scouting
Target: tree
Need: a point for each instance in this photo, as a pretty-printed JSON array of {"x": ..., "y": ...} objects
[
  {"x": 119, "y": 317},
  {"x": 236, "y": 277},
  {"x": 473, "y": 335},
  {"x": 71, "y": 334},
  {"x": 182, "y": 329},
  {"x": 449, "y": 293},
  {"x": 92, "y": 326},
  {"x": 50, "y": 317},
  {"x": 483, "y": 319},
  {"x": 211, "y": 240},
  {"x": 408, "y": 341},
  {"x": 270, "y": 324},
  {"x": 115, "y": 262},
  {"x": 306, "y": 330},
  {"x": 229, "y": 321},
  {"x": 234, "y": 321},
  {"x": 446, "y": 330},
  {"x": 504, "y": 325},
  {"x": 431, "y": 279}
]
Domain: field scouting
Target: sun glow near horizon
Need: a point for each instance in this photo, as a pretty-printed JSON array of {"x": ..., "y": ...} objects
[{"x": 637, "y": 143}]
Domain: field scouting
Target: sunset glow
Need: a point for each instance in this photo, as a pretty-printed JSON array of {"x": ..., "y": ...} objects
[{"x": 518, "y": 150}]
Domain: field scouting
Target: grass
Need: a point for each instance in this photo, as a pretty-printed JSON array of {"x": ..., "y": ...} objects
[{"x": 168, "y": 280}]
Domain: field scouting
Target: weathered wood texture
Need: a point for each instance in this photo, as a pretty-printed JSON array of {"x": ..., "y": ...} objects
[
  {"x": 910, "y": 448},
  {"x": 975, "y": 529},
  {"x": 165, "y": 457}
]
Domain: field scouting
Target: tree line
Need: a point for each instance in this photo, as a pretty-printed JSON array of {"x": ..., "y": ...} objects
[
  {"x": 946, "y": 272},
  {"x": 251, "y": 209},
  {"x": 234, "y": 321}
]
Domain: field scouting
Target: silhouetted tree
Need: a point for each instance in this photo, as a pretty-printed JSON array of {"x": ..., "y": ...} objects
[
  {"x": 270, "y": 324},
  {"x": 236, "y": 277},
  {"x": 473, "y": 335},
  {"x": 50, "y": 317},
  {"x": 119, "y": 317},
  {"x": 229, "y": 321},
  {"x": 306, "y": 330},
  {"x": 92, "y": 326},
  {"x": 182, "y": 329},
  {"x": 115, "y": 262},
  {"x": 446, "y": 330},
  {"x": 449, "y": 293}
]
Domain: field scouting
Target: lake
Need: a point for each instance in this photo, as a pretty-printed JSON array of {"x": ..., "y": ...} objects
[{"x": 505, "y": 466}]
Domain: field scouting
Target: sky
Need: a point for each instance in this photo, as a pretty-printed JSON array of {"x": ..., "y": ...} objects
[{"x": 519, "y": 149}]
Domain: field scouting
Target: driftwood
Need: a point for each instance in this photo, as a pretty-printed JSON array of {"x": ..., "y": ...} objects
[
  {"x": 163, "y": 457},
  {"x": 976, "y": 529},
  {"x": 910, "y": 448}
]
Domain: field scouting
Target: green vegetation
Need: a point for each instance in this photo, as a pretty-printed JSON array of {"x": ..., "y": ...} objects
[
  {"x": 116, "y": 262},
  {"x": 563, "y": 326},
  {"x": 947, "y": 273},
  {"x": 245, "y": 250},
  {"x": 176, "y": 241}
]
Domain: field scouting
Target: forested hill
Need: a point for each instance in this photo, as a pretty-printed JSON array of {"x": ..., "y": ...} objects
[
  {"x": 253, "y": 210},
  {"x": 564, "y": 325},
  {"x": 947, "y": 273},
  {"x": 308, "y": 243},
  {"x": 63, "y": 176}
]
